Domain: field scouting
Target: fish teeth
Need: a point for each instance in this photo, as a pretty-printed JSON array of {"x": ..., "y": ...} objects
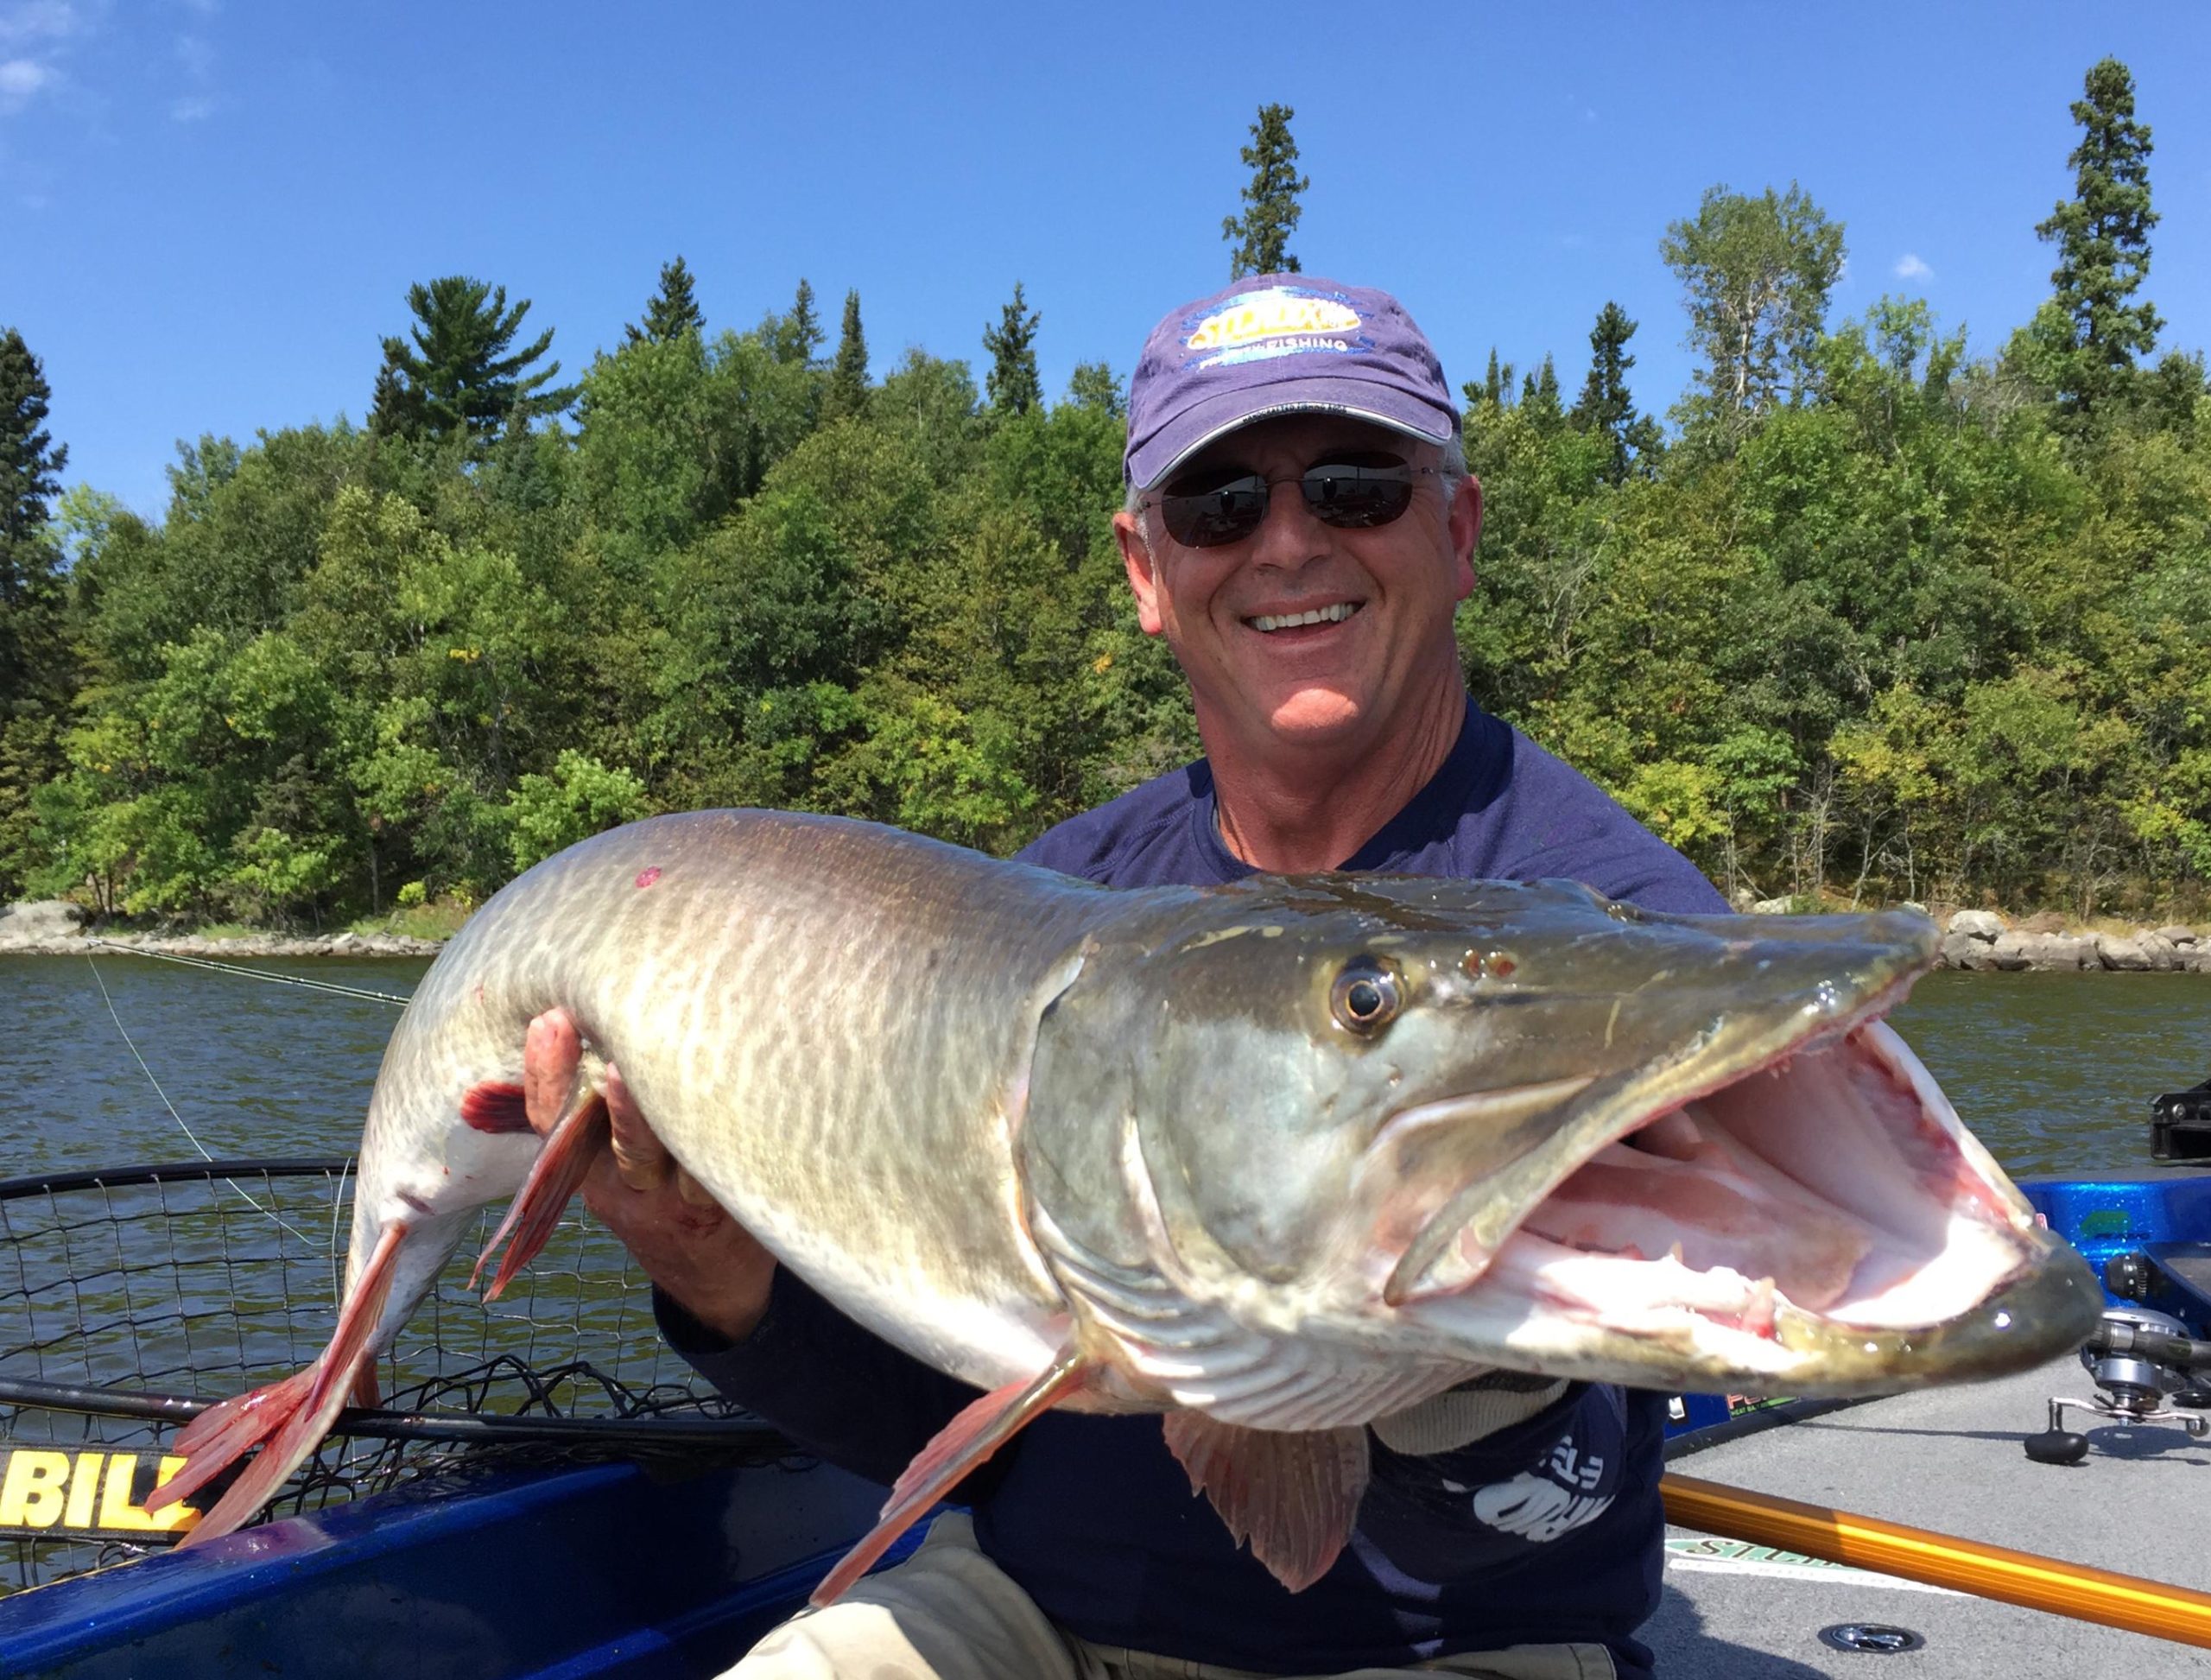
[{"x": 1320, "y": 615}]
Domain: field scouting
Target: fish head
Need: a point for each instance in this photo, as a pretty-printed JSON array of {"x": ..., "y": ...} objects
[{"x": 1522, "y": 1126}]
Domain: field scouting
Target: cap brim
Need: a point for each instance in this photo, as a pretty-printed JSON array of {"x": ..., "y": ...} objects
[{"x": 1204, "y": 423}]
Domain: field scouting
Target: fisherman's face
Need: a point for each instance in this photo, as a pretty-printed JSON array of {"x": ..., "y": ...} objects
[{"x": 1385, "y": 649}]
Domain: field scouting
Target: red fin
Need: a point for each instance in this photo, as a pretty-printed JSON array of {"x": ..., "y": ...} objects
[
  {"x": 303, "y": 1405},
  {"x": 494, "y": 1106},
  {"x": 226, "y": 1429},
  {"x": 536, "y": 1208},
  {"x": 1292, "y": 1495},
  {"x": 962, "y": 1445}
]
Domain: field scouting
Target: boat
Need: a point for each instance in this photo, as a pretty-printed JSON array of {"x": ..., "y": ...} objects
[{"x": 615, "y": 1523}]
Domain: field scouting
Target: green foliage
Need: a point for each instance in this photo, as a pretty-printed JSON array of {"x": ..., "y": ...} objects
[
  {"x": 2102, "y": 235},
  {"x": 1893, "y": 625},
  {"x": 460, "y": 375},
  {"x": 1755, "y": 275},
  {"x": 580, "y": 797},
  {"x": 673, "y": 311},
  {"x": 36, "y": 667},
  {"x": 1261, "y": 234},
  {"x": 1012, "y": 382}
]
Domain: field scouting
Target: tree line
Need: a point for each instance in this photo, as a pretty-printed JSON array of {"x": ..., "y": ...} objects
[{"x": 1863, "y": 615}]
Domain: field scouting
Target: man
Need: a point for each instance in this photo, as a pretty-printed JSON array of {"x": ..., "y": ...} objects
[{"x": 1301, "y": 528}]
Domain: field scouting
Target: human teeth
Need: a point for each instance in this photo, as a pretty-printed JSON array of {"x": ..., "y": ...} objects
[{"x": 1318, "y": 615}]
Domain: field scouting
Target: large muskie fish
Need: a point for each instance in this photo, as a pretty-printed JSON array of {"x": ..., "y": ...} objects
[{"x": 1275, "y": 1159}]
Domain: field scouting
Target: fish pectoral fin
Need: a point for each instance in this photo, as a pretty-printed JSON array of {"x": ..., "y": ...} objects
[
  {"x": 296, "y": 1412},
  {"x": 555, "y": 1175},
  {"x": 959, "y": 1447},
  {"x": 1292, "y": 1495}
]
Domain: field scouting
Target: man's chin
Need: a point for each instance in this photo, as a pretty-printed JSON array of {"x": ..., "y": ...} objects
[{"x": 1317, "y": 717}]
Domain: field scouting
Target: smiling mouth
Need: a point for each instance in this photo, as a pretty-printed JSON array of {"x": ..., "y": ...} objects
[{"x": 1334, "y": 613}]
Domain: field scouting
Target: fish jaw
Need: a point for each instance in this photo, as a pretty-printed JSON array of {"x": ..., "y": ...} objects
[{"x": 1823, "y": 1226}]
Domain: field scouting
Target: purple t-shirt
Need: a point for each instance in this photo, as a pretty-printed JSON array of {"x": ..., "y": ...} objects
[{"x": 1546, "y": 1531}]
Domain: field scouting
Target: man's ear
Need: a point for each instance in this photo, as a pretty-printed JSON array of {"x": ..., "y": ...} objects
[
  {"x": 1465, "y": 528},
  {"x": 1143, "y": 581}
]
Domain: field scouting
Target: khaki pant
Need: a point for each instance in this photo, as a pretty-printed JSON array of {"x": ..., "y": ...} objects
[{"x": 947, "y": 1612}]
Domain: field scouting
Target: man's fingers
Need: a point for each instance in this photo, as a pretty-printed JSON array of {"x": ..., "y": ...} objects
[
  {"x": 552, "y": 1050},
  {"x": 641, "y": 1160}
]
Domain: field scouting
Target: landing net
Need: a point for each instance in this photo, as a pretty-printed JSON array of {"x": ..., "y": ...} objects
[{"x": 131, "y": 1299}]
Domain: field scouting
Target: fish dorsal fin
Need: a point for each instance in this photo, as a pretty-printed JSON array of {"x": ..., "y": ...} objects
[
  {"x": 1292, "y": 1495},
  {"x": 959, "y": 1447}
]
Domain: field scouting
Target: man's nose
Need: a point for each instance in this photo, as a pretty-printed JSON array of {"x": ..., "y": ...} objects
[{"x": 1288, "y": 533}]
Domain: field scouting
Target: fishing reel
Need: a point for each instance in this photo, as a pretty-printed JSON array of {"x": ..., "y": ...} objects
[{"x": 2136, "y": 1357}]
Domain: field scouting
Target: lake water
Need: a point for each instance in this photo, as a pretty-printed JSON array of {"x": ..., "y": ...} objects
[{"x": 2053, "y": 1071}]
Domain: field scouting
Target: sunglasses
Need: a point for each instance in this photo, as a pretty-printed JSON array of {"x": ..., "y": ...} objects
[{"x": 1351, "y": 492}]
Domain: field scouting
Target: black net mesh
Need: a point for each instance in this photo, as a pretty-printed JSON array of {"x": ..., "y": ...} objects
[{"x": 123, "y": 1295}]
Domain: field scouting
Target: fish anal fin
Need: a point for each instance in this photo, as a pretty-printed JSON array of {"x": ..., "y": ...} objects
[
  {"x": 555, "y": 1175},
  {"x": 1292, "y": 1496},
  {"x": 298, "y": 1412},
  {"x": 958, "y": 1447}
]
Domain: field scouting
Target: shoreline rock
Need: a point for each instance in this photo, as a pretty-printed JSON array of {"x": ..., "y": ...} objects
[
  {"x": 55, "y": 928},
  {"x": 1980, "y": 941},
  {"x": 1977, "y": 940}
]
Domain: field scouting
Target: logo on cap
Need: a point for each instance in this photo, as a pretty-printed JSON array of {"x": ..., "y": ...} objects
[{"x": 1281, "y": 320}]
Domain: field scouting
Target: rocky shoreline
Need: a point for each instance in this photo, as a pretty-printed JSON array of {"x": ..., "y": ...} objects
[
  {"x": 1977, "y": 939},
  {"x": 55, "y": 928},
  {"x": 1981, "y": 940}
]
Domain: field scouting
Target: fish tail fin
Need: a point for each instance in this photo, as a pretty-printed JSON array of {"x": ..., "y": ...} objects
[
  {"x": 959, "y": 1447},
  {"x": 556, "y": 1176},
  {"x": 297, "y": 1412}
]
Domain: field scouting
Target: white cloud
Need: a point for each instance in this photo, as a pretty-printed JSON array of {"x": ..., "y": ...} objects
[
  {"x": 197, "y": 57},
  {"x": 192, "y": 109},
  {"x": 1910, "y": 267},
  {"x": 19, "y": 80}
]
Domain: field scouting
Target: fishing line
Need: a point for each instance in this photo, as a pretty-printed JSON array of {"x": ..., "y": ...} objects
[
  {"x": 268, "y": 975},
  {"x": 178, "y": 1118}
]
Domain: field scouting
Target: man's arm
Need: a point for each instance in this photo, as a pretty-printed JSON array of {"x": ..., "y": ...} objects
[{"x": 750, "y": 1326}]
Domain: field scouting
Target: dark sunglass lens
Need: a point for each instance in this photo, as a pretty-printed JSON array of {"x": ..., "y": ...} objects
[
  {"x": 1353, "y": 497},
  {"x": 1205, "y": 519}
]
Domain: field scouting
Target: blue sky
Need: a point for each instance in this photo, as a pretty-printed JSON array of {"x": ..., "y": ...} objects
[{"x": 210, "y": 210}]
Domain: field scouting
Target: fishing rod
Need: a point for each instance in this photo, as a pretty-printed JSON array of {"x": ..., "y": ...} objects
[{"x": 268, "y": 975}]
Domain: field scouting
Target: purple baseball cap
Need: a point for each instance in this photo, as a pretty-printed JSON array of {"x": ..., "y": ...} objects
[{"x": 1275, "y": 343}]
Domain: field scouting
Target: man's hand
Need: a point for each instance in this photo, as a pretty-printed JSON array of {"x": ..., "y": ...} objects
[{"x": 705, "y": 1260}]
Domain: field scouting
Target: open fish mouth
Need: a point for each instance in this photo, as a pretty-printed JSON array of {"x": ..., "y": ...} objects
[{"x": 1822, "y": 1222}]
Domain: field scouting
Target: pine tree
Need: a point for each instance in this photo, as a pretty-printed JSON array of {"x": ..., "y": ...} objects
[
  {"x": 2102, "y": 234},
  {"x": 798, "y": 336},
  {"x": 1539, "y": 397},
  {"x": 1013, "y": 385},
  {"x": 34, "y": 678},
  {"x": 30, "y": 468},
  {"x": 1261, "y": 232},
  {"x": 1493, "y": 390},
  {"x": 1605, "y": 405},
  {"x": 847, "y": 390},
  {"x": 459, "y": 374},
  {"x": 673, "y": 310}
]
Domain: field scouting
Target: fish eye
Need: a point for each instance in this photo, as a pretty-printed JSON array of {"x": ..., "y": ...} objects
[{"x": 1365, "y": 996}]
